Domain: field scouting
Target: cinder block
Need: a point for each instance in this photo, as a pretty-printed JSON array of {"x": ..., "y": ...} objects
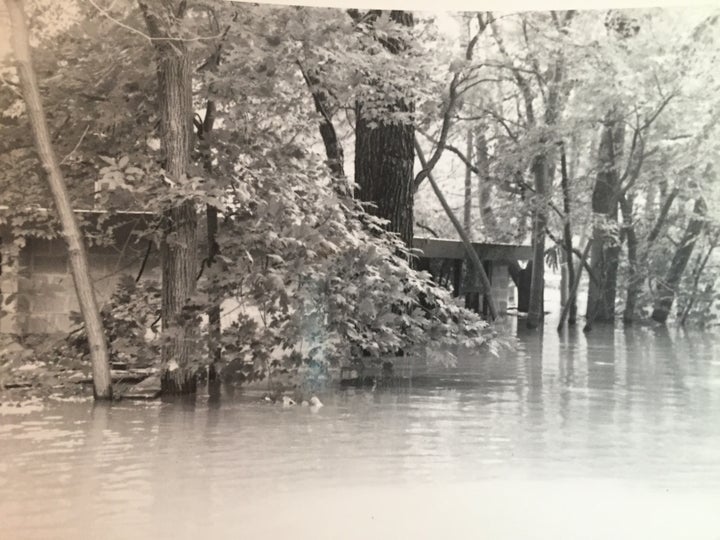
[
  {"x": 25, "y": 284},
  {"x": 37, "y": 324},
  {"x": 50, "y": 264},
  {"x": 44, "y": 247},
  {"x": 22, "y": 303},
  {"x": 8, "y": 324}
]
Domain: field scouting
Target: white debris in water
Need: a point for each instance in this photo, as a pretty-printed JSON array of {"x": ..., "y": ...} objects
[
  {"x": 21, "y": 407},
  {"x": 288, "y": 401},
  {"x": 315, "y": 402},
  {"x": 70, "y": 399},
  {"x": 28, "y": 367}
]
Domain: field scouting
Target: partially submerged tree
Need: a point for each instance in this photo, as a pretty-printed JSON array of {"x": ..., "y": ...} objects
[{"x": 164, "y": 21}]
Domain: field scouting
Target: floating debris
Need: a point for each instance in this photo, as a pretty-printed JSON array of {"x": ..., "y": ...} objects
[
  {"x": 315, "y": 402},
  {"x": 287, "y": 401}
]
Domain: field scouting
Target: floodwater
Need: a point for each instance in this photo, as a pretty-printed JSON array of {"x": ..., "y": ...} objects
[{"x": 614, "y": 434}]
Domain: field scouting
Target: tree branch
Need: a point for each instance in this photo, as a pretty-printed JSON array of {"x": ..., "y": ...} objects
[{"x": 448, "y": 113}]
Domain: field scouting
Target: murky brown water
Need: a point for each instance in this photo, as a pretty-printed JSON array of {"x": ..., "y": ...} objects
[{"x": 610, "y": 435}]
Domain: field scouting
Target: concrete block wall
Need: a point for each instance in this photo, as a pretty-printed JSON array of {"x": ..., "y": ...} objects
[{"x": 45, "y": 289}]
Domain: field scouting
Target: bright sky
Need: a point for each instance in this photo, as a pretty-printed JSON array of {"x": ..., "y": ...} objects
[{"x": 494, "y": 5}]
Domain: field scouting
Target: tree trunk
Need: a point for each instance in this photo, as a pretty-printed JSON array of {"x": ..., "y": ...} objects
[
  {"x": 102, "y": 384},
  {"x": 702, "y": 262},
  {"x": 333, "y": 146},
  {"x": 384, "y": 171},
  {"x": 467, "y": 208},
  {"x": 634, "y": 278},
  {"x": 179, "y": 245},
  {"x": 605, "y": 250},
  {"x": 567, "y": 236},
  {"x": 485, "y": 212},
  {"x": 572, "y": 295},
  {"x": 537, "y": 281},
  {"x": 662, "y": 217},
  {"x": 384, "y": 155},
  {"x": 668, "y": 287},
  {"x": 211, "y": 217}
]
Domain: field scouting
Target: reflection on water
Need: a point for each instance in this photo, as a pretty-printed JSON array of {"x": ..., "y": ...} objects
[{"x": 614, "y": 434}]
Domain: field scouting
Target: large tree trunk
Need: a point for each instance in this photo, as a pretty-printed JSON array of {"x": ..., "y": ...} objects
[
  {"x": 384, "y": 156},
  {"x": 102, "y": 384},
  {"x": 179, "y": 245},
  {"x": 605, "y": 250},
  {"x": 668, "y": 287},
  {"x": 384, "y": 159}
]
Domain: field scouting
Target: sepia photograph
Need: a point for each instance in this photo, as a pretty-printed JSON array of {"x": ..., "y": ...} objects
[{"x": 359, "y": 270}]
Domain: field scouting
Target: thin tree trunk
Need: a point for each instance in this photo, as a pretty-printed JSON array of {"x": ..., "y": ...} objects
[
  {"x": 211, "y": 216},
  {"x": 471, "y": 298},
  {"x": 486, "y": 213},
  {"x": 573, "y": 291},
  {"x": 668, "y": 287},
  {"x": 662, "y": 217},
  {"x": 537, "y": 282},
  {"x": 567, "y": 235},
  {"x": 102, "y": 383},
  {"x": 179, "y": 245},
  {"x": 634, "y": 278},
  {"x": 333, "y": 146},
  {"x": 467, "y": 209},
  {"x": 696, "y": 278},
  {"x": 480, "y": 274}
]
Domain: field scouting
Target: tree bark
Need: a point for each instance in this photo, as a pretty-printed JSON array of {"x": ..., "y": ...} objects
[
  {"x": 102, "y": 384},
  {"x": 662, "y": 217},
  {"x": 605, "y": 250},
  {"x": 384, "y": 155},
  {"x": 179, "y": 245},
  {"x": 668, "y": 287},
  {"x": 486, "y": 212},
  {"x": 211, "y": 217},
  {"x": 567, "y": 236},
  {"x": 537, "y": 281},
  {"x": 467, "y": 208},
  {"x": 333, "y": 146},
  {"x": 634, "y": 278}
]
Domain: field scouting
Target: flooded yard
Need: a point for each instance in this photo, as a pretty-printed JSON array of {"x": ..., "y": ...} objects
[{"x": 614, "y": 434}]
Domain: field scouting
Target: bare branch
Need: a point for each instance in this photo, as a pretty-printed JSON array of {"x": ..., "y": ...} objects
[
  {"x": 105, "y": 13},
  {"x": 448, "y": 113},
  {"x": 62, "y": 162}
]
